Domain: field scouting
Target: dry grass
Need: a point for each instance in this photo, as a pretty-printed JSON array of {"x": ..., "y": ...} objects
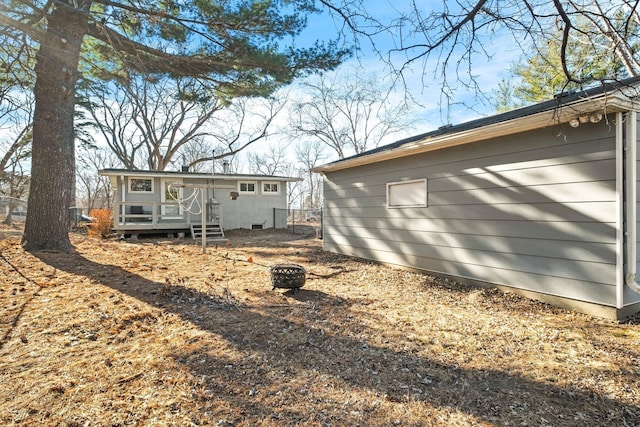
[{"x": 156, "y": 333}]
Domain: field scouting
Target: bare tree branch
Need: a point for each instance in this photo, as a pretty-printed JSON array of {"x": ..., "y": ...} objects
[
  {"x": 451, "y": 42},
  {"x": 349, "y": 115}
]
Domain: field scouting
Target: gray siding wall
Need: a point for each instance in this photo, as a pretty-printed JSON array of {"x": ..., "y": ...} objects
[
  {"x": 535, "y": 211},
  {"x": 245, "y": 211}
]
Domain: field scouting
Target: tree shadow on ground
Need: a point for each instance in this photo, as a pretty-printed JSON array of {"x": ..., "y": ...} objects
[{"x": 305, "y": 352}]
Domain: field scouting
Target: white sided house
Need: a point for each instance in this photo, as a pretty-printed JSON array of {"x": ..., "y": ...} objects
[
  {"x": 175, "y": 202},
  {"x": 542, "y": 200}
]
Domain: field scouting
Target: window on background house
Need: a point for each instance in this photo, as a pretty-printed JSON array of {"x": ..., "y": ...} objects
[
  {"x": 247, "y": 187},
  {"x": 407, "y": 194},
  {"x": 171, "y": 196},
  {"x": 140, "y": 185},
  {"x": 270, "y": 188}
]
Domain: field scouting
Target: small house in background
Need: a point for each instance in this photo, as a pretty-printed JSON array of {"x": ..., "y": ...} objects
[
  {"x": 175, "y": 202},
  {"x": 541, "y": 200},
  {"x": 17, "y": 208}
]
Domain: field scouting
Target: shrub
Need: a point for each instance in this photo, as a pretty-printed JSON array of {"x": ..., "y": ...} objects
[{"x": 101, "y": 224}]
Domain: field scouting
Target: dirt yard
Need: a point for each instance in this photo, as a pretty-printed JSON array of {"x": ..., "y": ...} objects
[{"x": 156, "y": 333}]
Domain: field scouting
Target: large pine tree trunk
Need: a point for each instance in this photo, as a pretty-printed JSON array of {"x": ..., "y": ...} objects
[{"x": 53, "y": 154}]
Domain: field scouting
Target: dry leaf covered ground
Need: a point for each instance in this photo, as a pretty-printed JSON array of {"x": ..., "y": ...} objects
[{"x": 156, "y": 333}]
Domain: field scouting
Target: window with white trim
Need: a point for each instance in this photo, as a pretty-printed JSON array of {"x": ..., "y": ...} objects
[
  {"x": 172, "y": 193},
  {"x": 407, "y": 194},
  {"x": 247, "y": 187},
  {"x": 270, "y": 188},
  {"x": 141, "y": 185}
]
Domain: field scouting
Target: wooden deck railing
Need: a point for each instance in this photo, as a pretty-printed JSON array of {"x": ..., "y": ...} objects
[{"x": 143, "y": 213}]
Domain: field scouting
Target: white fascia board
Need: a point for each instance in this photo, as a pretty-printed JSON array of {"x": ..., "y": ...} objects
[
  {"x": 604, "y": 104},
  {"x": 262, "y": 178},
  {"x": 169, "y": 175}
]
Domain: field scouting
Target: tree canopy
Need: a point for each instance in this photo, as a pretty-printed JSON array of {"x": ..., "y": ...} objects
[
  {"x": 247, "y": 48},
  {"x": 235, "y": 45},
  {"x": 539, "y": 76},
  {"x": 464, "y": 29},
  {"x": 348, "y": 113},
  {"x": 449, "y": 41},
  {"x": 239, "y": 48}
]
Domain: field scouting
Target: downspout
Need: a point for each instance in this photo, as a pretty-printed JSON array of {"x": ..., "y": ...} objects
[
  {"x": 620, "y": 211},
  {"x": 631, "y": 175}
]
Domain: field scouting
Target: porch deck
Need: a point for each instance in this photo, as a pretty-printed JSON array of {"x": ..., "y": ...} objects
[{"x": 141, "y": 217}]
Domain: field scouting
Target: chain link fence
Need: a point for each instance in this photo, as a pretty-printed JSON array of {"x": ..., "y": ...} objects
[{"x": 301, "y": 221}]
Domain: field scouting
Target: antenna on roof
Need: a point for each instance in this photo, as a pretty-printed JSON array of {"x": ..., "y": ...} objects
[{"x": 213, "y": 169}]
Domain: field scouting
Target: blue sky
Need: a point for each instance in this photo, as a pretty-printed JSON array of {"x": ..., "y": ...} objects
[{"x": 421, "y": 83}]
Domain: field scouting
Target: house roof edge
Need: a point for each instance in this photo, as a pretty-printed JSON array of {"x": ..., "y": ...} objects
[
  {"x": 180, "y": 174},
  {"x": 606, "y": 99}
]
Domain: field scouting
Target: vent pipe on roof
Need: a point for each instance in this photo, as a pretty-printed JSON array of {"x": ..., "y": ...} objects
[{"x": 185, "y": 166}]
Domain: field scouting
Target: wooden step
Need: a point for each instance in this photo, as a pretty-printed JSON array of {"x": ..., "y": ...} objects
[{"x": 214, "y": 232}]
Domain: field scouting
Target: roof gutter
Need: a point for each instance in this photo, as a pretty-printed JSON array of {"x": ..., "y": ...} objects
[
  {"x": 605, "y": 103},
  {"x": 631, "y": 176},
  {"x": 173, "y": 174}
]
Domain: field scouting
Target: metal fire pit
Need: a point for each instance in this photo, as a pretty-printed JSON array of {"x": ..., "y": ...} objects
[{"x": 288, "y": 276}]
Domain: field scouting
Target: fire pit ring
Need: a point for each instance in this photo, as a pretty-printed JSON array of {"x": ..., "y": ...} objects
[{"x": 288, "y": 276}]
